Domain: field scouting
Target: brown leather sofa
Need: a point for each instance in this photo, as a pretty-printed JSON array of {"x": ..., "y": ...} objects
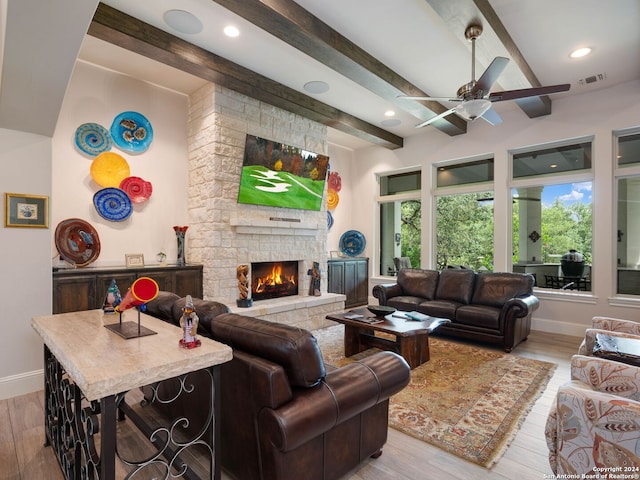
[
  {"x": 492, "y": 307},
  {"x": 284, "y": 414}
]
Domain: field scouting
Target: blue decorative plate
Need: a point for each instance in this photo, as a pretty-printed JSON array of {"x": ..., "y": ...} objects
[
  {"x": 93, "y": 139},
  {"x": 352, "y": 243},
  {"x": 131, "y": 132},
  {"x": 329, "y": 220},
  {"x": 113, "y": 204}
]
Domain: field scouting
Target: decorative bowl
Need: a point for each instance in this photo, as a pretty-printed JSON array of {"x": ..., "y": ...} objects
[{"x": 380, "y": 310}]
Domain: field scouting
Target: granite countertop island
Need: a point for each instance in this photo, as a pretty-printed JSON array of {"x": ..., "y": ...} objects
[{"x": 102, "y": 363}]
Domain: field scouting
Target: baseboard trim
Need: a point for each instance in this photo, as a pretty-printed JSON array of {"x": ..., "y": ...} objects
[
  {"x": 21, "y": 384},
  {"x": 561, "y": 328}
]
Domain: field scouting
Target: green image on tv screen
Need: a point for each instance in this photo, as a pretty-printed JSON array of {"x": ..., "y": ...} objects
[{"x": 279, "y": 175}]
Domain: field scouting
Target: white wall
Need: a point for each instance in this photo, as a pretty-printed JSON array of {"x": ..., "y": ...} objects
[
  {"x": 341, "y": 161},
  {"x": 597, "y": 114},
  {"x": 25, "y": 285},
  {"x": 98, "y": 95}
]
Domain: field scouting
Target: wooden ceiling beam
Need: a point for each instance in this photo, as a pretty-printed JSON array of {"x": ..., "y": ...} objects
[
  {"x": 125, "y": 31},
  {"x": 291, "y": 23}
]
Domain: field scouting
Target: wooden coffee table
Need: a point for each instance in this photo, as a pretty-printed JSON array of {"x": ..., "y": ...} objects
[{"x": 411, "y": 337}]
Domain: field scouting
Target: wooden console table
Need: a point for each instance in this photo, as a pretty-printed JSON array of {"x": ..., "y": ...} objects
[
  {"x": 89, "y": 369},
  {"x": 79, "y": 289}
]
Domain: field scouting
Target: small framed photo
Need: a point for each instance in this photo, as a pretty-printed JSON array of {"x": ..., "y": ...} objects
[
  {"x": 335, "y": 254},
  {"x": 23, "y": 210},
  {"x": 134, "y": 260}
]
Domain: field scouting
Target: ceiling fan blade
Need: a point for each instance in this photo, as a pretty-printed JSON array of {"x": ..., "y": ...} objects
[
  {"x": 492, "y": 117},
  {"x": 489, "y": 77},
  {"x": 528, "y": 92},
  {"x": 437, "y": 117},
  {"x": 432, "y": 99}
]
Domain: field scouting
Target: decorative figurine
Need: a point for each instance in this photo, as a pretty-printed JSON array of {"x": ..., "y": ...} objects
[
  {"x": 314, "y": 284},
  {"x": 189, "y": 324},
  {"x": 242, "y": 273},
  {"x": 112, "y": 298}
]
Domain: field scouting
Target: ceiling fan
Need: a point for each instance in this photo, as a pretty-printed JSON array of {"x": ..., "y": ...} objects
[{"x": 474, "y": 100}]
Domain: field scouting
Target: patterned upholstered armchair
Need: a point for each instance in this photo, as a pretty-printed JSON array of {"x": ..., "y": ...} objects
[
  {"x": 595, "y": 419},
  {"x": 610, "y": 326}
]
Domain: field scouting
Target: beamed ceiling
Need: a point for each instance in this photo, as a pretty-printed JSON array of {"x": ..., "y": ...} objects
[{"x": 368, "y": 51}]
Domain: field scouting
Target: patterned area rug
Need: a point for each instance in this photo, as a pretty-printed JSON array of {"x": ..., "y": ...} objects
[{"x": 467, "y": 400}]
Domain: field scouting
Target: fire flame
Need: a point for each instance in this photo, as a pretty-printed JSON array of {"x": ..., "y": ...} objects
[{"x": 274, "y": 278}]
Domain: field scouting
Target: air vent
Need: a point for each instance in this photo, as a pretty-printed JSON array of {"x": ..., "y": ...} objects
[{"x": 592, "y": 79}]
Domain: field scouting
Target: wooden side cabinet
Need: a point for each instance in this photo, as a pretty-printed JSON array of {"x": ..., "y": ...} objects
[
  {"x": 85, "y": 288},
  {"x": 349, "y": 276}
]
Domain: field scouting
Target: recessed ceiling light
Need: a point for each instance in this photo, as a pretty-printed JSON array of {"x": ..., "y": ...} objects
[
  {"x": 316, "y": 87},
  {"x": 553, "y": 165},
  {"x": 231, "y": 31},
  {"x": 392, "y": 122},
  {"x": 183, "y": 22},
  {"x": 389, "y": 113},
  {"x": 580, "y": 52}
]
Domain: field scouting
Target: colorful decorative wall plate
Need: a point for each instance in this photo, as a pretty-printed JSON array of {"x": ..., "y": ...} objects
[
  {"x": 132, "y": 132},
  {"x": 109, "y": 169},
  {"x": 113, "y": 204},
  {"x": 352, "y": 243},
  {"x": 329, "y": 220},
  {"x": 138, "y": 189},
  {"x": 93, "y": 139},
  {"x": 77, "y": 242}
]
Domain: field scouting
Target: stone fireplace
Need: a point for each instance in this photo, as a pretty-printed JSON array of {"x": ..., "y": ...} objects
[{"x": 224, "y": 234}]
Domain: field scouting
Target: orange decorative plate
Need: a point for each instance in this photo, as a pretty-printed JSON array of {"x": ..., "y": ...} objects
[{"x": 109, "y": 169}]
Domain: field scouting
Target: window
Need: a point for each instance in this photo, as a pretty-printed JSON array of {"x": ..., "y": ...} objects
[
  {"x": 400, "y": 221},
  {"x": 552, "y": 215},
  {"x": 628, "y": 212},
  {"x": 464, "y": 231},
  {"x": 464, "y": 215}
]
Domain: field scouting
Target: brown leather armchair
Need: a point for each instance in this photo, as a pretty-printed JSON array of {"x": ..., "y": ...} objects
[{"x": 284, "y": 416}]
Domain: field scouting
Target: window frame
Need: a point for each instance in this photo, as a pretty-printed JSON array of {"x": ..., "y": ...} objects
[
  {"x": 620, "y": 172},
  {"x": 396, "y": 197},
  {"x": 459, "y": 189},
  {"x": 551, "y": 179}
]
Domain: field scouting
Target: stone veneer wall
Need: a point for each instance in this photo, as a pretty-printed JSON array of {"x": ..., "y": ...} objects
[{"x": 224, "y": 234}]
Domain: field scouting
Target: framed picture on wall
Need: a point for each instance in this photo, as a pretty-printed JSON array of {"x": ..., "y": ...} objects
[{"x": 22, "y": 210}]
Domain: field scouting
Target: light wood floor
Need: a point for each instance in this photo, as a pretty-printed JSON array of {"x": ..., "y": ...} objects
[{"x": 24, "y": 457}]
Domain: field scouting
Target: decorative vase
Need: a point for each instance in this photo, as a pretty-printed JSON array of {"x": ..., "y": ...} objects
[{"x": 180, "y": 232}]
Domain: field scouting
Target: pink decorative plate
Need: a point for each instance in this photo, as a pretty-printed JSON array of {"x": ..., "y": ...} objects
[{"x": 138, "y": 189}]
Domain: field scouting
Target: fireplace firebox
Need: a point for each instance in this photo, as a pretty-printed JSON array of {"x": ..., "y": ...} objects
[{"x": 274, "y": 279}]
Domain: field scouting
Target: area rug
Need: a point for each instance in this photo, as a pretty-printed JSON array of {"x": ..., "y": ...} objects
[{"x": 467, "y": 400}]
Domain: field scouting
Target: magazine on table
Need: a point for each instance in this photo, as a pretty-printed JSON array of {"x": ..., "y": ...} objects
[
  {"x": 361, "y": 318},
  {"x": 430, "y": 322}
]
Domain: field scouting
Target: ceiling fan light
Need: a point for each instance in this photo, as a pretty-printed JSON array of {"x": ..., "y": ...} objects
[{"x": 472, "y": 109}]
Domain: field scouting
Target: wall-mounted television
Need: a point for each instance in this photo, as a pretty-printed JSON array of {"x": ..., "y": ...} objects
[{"x": 280, "y": 175}]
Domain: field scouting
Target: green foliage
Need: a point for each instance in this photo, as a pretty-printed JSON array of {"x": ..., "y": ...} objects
[
  {"x": 410, "y": 230},
  {"x": 566, "y": 227},
  {"x": 465, "y": 231}
]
